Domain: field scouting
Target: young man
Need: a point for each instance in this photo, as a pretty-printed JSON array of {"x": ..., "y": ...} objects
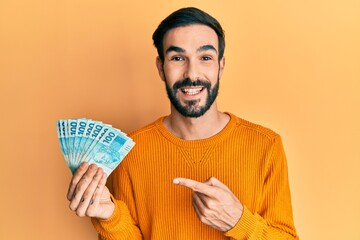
[{"x": 198, "y": 173}]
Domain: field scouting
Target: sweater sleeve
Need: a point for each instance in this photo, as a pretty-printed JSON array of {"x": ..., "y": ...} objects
[
  {"x": 123, "y": 223},
  {"x": 273, "y": 219},
  {"x": 118, "y": 226}
]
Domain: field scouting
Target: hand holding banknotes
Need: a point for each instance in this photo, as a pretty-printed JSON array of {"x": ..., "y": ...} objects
[
  {"x": 88, "y": 194},
  {"x": 92, "y": 150}
]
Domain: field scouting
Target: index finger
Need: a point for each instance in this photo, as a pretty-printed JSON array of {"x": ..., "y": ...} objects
[{"x": 196, "y": 186}]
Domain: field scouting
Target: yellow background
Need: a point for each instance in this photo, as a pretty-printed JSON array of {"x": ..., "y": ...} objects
[{"x": 293, "y": 66}]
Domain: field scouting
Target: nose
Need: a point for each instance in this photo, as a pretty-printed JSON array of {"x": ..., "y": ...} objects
[{"x": 191, "y": 71}]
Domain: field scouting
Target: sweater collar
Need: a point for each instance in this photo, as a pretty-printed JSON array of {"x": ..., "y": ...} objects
[{"x": 196, "y": 143}]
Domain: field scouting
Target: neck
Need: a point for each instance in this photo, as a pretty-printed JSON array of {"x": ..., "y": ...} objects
[{"x": 187, "y": 128}]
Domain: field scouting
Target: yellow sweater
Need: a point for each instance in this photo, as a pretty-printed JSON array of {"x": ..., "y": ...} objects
[{"x": 248, "y": 158}]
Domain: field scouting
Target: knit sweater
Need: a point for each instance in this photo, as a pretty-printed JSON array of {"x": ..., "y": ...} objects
[{"x": 246, "y": 157}]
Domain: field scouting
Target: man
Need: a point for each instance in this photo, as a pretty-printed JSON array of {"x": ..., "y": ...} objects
[{"x": 198, "y": 173}]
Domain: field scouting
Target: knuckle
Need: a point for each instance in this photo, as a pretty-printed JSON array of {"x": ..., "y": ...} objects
[
  {"x": 90, "y": 212},
  {"x": 84, "y": 165},
  {"x": 98, "y": 175},
  {"x": 68, "y": 197},
  {"x": 79, "y": 188},
  {"x": 72, "y": 206},
  {"x": 194, "y": 197},
  {"x": 82, "y": 168},
  {"x": 74, "y": 181},
  {"x": 210, "y": 204},
  {"x": 80, "y": 213},
  {"x": 205, "y": 212},
  {"x": 213, "y": 181},
  {"x": 203, "y": 219},
  {"x": 75, "y": 199},
  {"x": 93, "y": 167},
  {"x": 87, "y": 195}
]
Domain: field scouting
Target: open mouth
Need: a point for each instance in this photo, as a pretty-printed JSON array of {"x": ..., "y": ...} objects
[{"x": 191, "y": 90}]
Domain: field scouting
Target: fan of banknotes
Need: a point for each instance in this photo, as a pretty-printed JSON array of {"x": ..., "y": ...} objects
[{"x": 85, "y": 140}]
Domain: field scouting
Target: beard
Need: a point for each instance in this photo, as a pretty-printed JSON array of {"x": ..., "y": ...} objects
[{"x": 191, "y": 107}]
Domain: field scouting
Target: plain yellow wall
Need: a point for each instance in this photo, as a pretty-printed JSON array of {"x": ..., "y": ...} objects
[{"x": 293, "y": 66}]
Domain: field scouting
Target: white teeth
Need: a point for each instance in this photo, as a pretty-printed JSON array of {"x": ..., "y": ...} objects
[{"x": 191, "y": 91}]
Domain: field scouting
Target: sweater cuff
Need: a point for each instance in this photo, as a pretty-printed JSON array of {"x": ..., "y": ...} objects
[
  {"x": 101, "y": 225},
  {"x": 245, "y": 227},
  {"x": 120, "y": 222}
]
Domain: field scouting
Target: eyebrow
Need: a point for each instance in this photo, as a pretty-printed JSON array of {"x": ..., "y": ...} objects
[
  {"x": 175, "y": 49},
  {"x": 206, "y": 47},
  {"x": 181, "y": 50}
]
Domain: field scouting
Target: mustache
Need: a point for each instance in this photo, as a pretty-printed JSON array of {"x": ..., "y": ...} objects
[{"x": 187, "y": 82}]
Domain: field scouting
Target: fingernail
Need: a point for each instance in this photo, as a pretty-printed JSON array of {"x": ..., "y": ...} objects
[{"x": 176, "y": 181}]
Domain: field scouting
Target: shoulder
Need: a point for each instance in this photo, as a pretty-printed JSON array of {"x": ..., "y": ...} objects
[
  {"x": 253, "y": 129},
  {"x": 146, "y": 131},
  {"x": 255, "y": 136},
  {"x": 143, "y": 138}
]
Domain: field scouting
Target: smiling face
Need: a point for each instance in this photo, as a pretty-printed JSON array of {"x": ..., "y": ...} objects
[{"x": 191, "y": 68}]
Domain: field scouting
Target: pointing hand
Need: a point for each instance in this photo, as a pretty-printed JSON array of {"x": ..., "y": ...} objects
[{"x": 214, "y": 203}]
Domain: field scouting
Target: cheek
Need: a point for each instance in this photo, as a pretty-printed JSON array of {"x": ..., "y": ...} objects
[
  {"x": 212, "y": 74},
  {"x": 173, "y": 74}
]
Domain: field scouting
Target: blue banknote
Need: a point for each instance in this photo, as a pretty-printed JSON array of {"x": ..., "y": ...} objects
[
  {"x": 98, "y": 131},
  {"x": 72, "y": 125},
  {"x": 61, "y": 138},
  {"x": 89, "y": 126},
  {"x": 63, "y": 134},
  {"x": 86, "y": 140},
  {"x": 80, "y": 130},
  {"x": 110, "y": 150}
]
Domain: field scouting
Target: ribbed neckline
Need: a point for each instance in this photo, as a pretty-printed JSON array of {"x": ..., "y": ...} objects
[{"x": 196, "y": 143}]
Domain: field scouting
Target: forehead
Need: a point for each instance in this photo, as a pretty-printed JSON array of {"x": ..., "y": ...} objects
[{"x": 191, "y": 37}]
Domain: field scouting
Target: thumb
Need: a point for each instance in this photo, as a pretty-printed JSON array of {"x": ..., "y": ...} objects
[{"x": 213, "y": 181}]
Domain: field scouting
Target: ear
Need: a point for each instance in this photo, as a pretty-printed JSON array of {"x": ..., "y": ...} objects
[
  {"x": 221, "y": 66},
  {"x": 159, "y": 65}
]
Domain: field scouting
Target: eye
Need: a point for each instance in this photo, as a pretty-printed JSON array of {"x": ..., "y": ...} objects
[
  {"x": 177, "y": 58},
  {"x": 206, "y": 58}
]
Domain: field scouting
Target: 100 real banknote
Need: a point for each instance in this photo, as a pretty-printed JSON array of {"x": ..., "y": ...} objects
[{"x": 85, "y": 140}]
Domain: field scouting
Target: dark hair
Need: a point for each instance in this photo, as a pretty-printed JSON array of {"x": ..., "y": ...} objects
[{"x": 186, "y": 17}]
